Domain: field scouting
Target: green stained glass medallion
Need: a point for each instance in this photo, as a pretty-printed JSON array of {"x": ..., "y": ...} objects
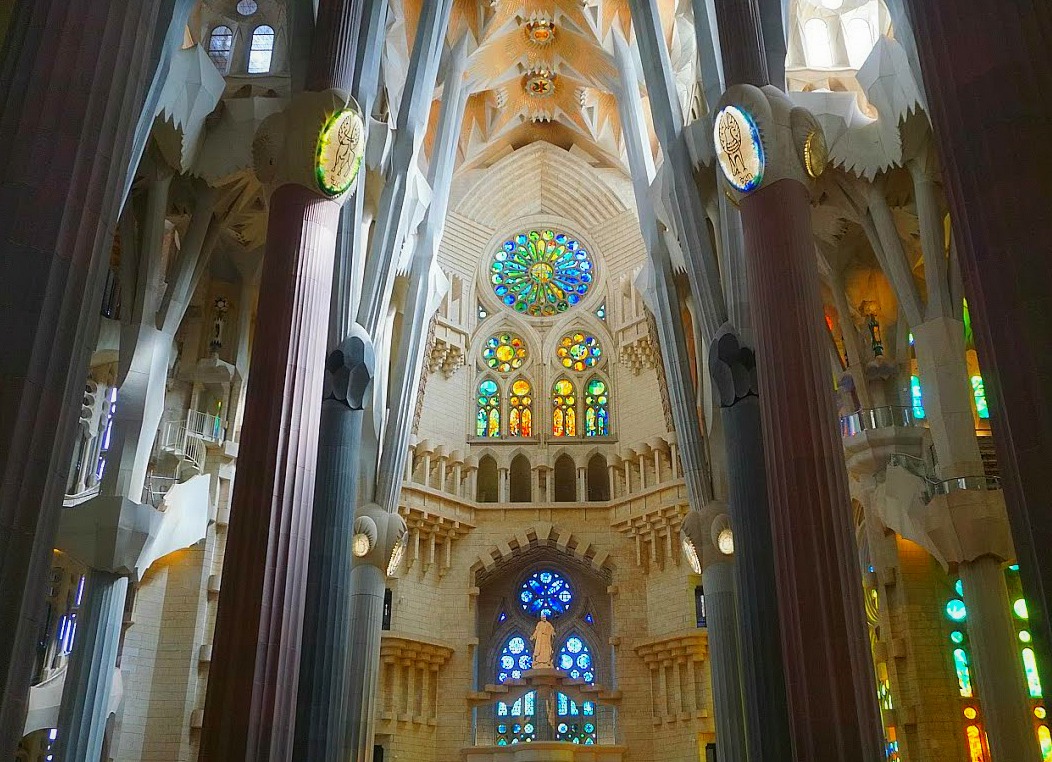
[{"x": 541, "y": 273}]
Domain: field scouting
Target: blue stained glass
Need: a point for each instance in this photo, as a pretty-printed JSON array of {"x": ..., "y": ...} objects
[
  {"x": 917, "y": 397},
  {"x": 570, "y": 727},
  {"x": 575, "y": 658},
  {"x": 546, "y": 592},
  {"x": 540, "y": 270},
  {"x": 513, "y": 659},
  {"x": 588, "y": 618}
]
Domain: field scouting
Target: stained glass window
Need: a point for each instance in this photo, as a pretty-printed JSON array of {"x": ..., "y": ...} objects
[
  {"x": 541, "y": 273},
  {"x": 514, "y": 659},
  {"x": 262, "y": 50},
  {"x": 597, "y": 409},
  {"x": 487, "y": 417},
  {"x": 564, "y": 412},
  {"x": 504, "y": 352},
  {"x": 575, "y": 659},
  {"x": 979, "y": 392},
  {"x": 916, "y": 397},
  {"x": 515, "y": 721},
  {"x": 520, "y": 414},
  {"x": 574, "y": 723},
  {"x": 219, "y": 44},
  {"x": 545, "y": 592},
  {"x": 578, "y": 351}
]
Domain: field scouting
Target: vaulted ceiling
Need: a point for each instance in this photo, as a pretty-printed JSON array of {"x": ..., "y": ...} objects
[{"x": 543, "y": 70}]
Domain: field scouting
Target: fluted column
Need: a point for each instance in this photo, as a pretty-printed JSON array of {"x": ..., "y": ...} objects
[
  {"x": 733, "y": 368},
  {"x": 985, "y": 110},
  {"x": 250, "y": 707},
  {"x": 67, "y": 142},
  {"x": 367, "y": 584},
  {"x": 720, "y": 620},
  {"x": 89, "y": 677},
  {"x": 829, "y": 671},
  {"x": 322, "y": 710},
  {"x": 999, "y": 675}
]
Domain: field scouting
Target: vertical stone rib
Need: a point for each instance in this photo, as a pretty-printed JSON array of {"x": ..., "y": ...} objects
[
  {"x": 250, "y": 706},
  {"x": 66, "y": 141},
  {"x": 983, "y": 66},
  {"x": 89, "y": 677},
  {"x": 721, "y": 621},
  {"x": 829, "y": 674}
]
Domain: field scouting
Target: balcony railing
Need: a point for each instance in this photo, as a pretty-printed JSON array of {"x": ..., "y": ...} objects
[
  {"x": 175, "y": 439},
  {"x": 919, "y": 468},
  {"x": 207, "y": 427},
  {"x": 876, "y": 418},
  {"x": 156, "y": 487}
]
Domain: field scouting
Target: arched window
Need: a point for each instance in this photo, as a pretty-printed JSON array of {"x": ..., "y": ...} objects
[
  {"x": 564, "y": 412},
  {"x": 541, "y": 273},
  {"x": 597, "y": 409},
  {"x": 520, "y": 412},
  {"x": 817, "y": 44},
  {"x": 262, "y": 50},
  {"x": 598, "y": 479},
  {"x": 515, "y": 720},
  {"x": 574, "y": 723},
  {"x": 486, "y": 491},
  {"x": 565, "y": 480},
  {"x": 521, "y": 490},
  {"x": 859, "y": 40},
  {"x": 220, "y": 44},
  {"x": 487, "y": 415},
  {"x": 979, "y": 393}
]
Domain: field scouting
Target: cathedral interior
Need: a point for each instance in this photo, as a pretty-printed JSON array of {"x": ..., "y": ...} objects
[{"x": 525, "y": 380}]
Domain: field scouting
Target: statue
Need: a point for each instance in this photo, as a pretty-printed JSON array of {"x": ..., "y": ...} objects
[{"x": 542, "y": 637}]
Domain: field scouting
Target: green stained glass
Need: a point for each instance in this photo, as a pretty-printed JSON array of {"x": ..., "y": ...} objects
[
  {"x": 541, "y": 273},
  {"x": 487, "y": 417},
  {"x": 979, "y": 393},
  {"x": 1033, "y": 681},
  {"x": 964, "y": 677},
  {"x": 917, "y": 397},
  {"x": 956, "y": 611},
  {"x": 597, "y": 409},
  {"x": 957, "y": 636},
  {"x": 1019, "y": 607}
]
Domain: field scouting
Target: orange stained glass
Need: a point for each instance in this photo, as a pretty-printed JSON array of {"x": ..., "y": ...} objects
[
  {"x": 520, "y": 419},
  {"x": 564, "y": 417},
  {"x": 976, "y": 747}
]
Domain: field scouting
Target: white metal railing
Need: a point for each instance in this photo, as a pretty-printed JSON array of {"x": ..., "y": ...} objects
[
  {"x": 205, "y": 426},
  {"x": 156, "y": 487},
  {"x": 876, "y": 418},
  {"x": 175, "y": 439}
]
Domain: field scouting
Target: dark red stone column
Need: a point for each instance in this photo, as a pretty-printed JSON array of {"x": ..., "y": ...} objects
[
  {"x": 250, "y": 709},
  {"x": 73, "y": 81},
  {"x": 828, "y": 670},
  {"x": 988, "y": 73}
]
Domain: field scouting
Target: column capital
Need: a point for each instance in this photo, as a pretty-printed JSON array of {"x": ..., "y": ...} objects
[{"x": 317, "y": 141}]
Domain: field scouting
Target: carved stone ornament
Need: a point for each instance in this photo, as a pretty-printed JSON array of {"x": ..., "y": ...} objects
[{"x": 317, "y": 141}]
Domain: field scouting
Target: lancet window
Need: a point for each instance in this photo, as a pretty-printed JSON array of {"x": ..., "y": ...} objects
[
  {"x": 220, "y": 43},
  {"x": 564, "y": 409},
  {"x": 487, "y": 413},
  {"x": 262, "y": 50},
  {"x": 596, "y": 408},
  {"x": 520, "y": 414}
]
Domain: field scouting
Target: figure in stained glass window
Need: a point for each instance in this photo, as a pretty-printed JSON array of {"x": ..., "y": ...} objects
[
  {"x": 564, "y": 413},
  {"x": 504, "y": 352},
  {"x": 578, "y": 351},
  {"x": 487, "y": 416},
  {"x": 541, "y": 273},
  {"x": 520, "y": 414},
  {"x": 597, "y": 409}
]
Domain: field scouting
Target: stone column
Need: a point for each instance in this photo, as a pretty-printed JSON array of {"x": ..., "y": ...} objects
[
  {"x": 366, "y": 583},
  {"x": 1002, "y": 233},
  {"x": 998, "y": 670},
  {"x": 89, "y": 677},
  {"x": 322, "y": 709},
  {"x": 67, "y": 143},
  {"x": 720, "y": 620},
  {"x": 733, "y": 369}
]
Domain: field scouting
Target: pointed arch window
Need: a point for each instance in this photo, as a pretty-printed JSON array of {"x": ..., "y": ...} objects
[
  {"x": 220, "y": 43},
  {"x": 575, "y": 722},
  {"x": 860, "y": 41},
  {"x": 515, "y": 720},
  {"x": 564, "y": 409},
  {"x": 262, "y": 50},
  {"x": 520, "y": 414},
  {"x": 818, "y": 46},
  {"x": 597, "y": 408},
  {"x": 487, "y": 416}
]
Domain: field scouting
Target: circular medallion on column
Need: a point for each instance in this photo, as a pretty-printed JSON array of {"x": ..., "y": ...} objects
[
  {"x": 816, "y": 154},
  {"x": 341, "y": 146},
  {"x": 739, "y": 148}
]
